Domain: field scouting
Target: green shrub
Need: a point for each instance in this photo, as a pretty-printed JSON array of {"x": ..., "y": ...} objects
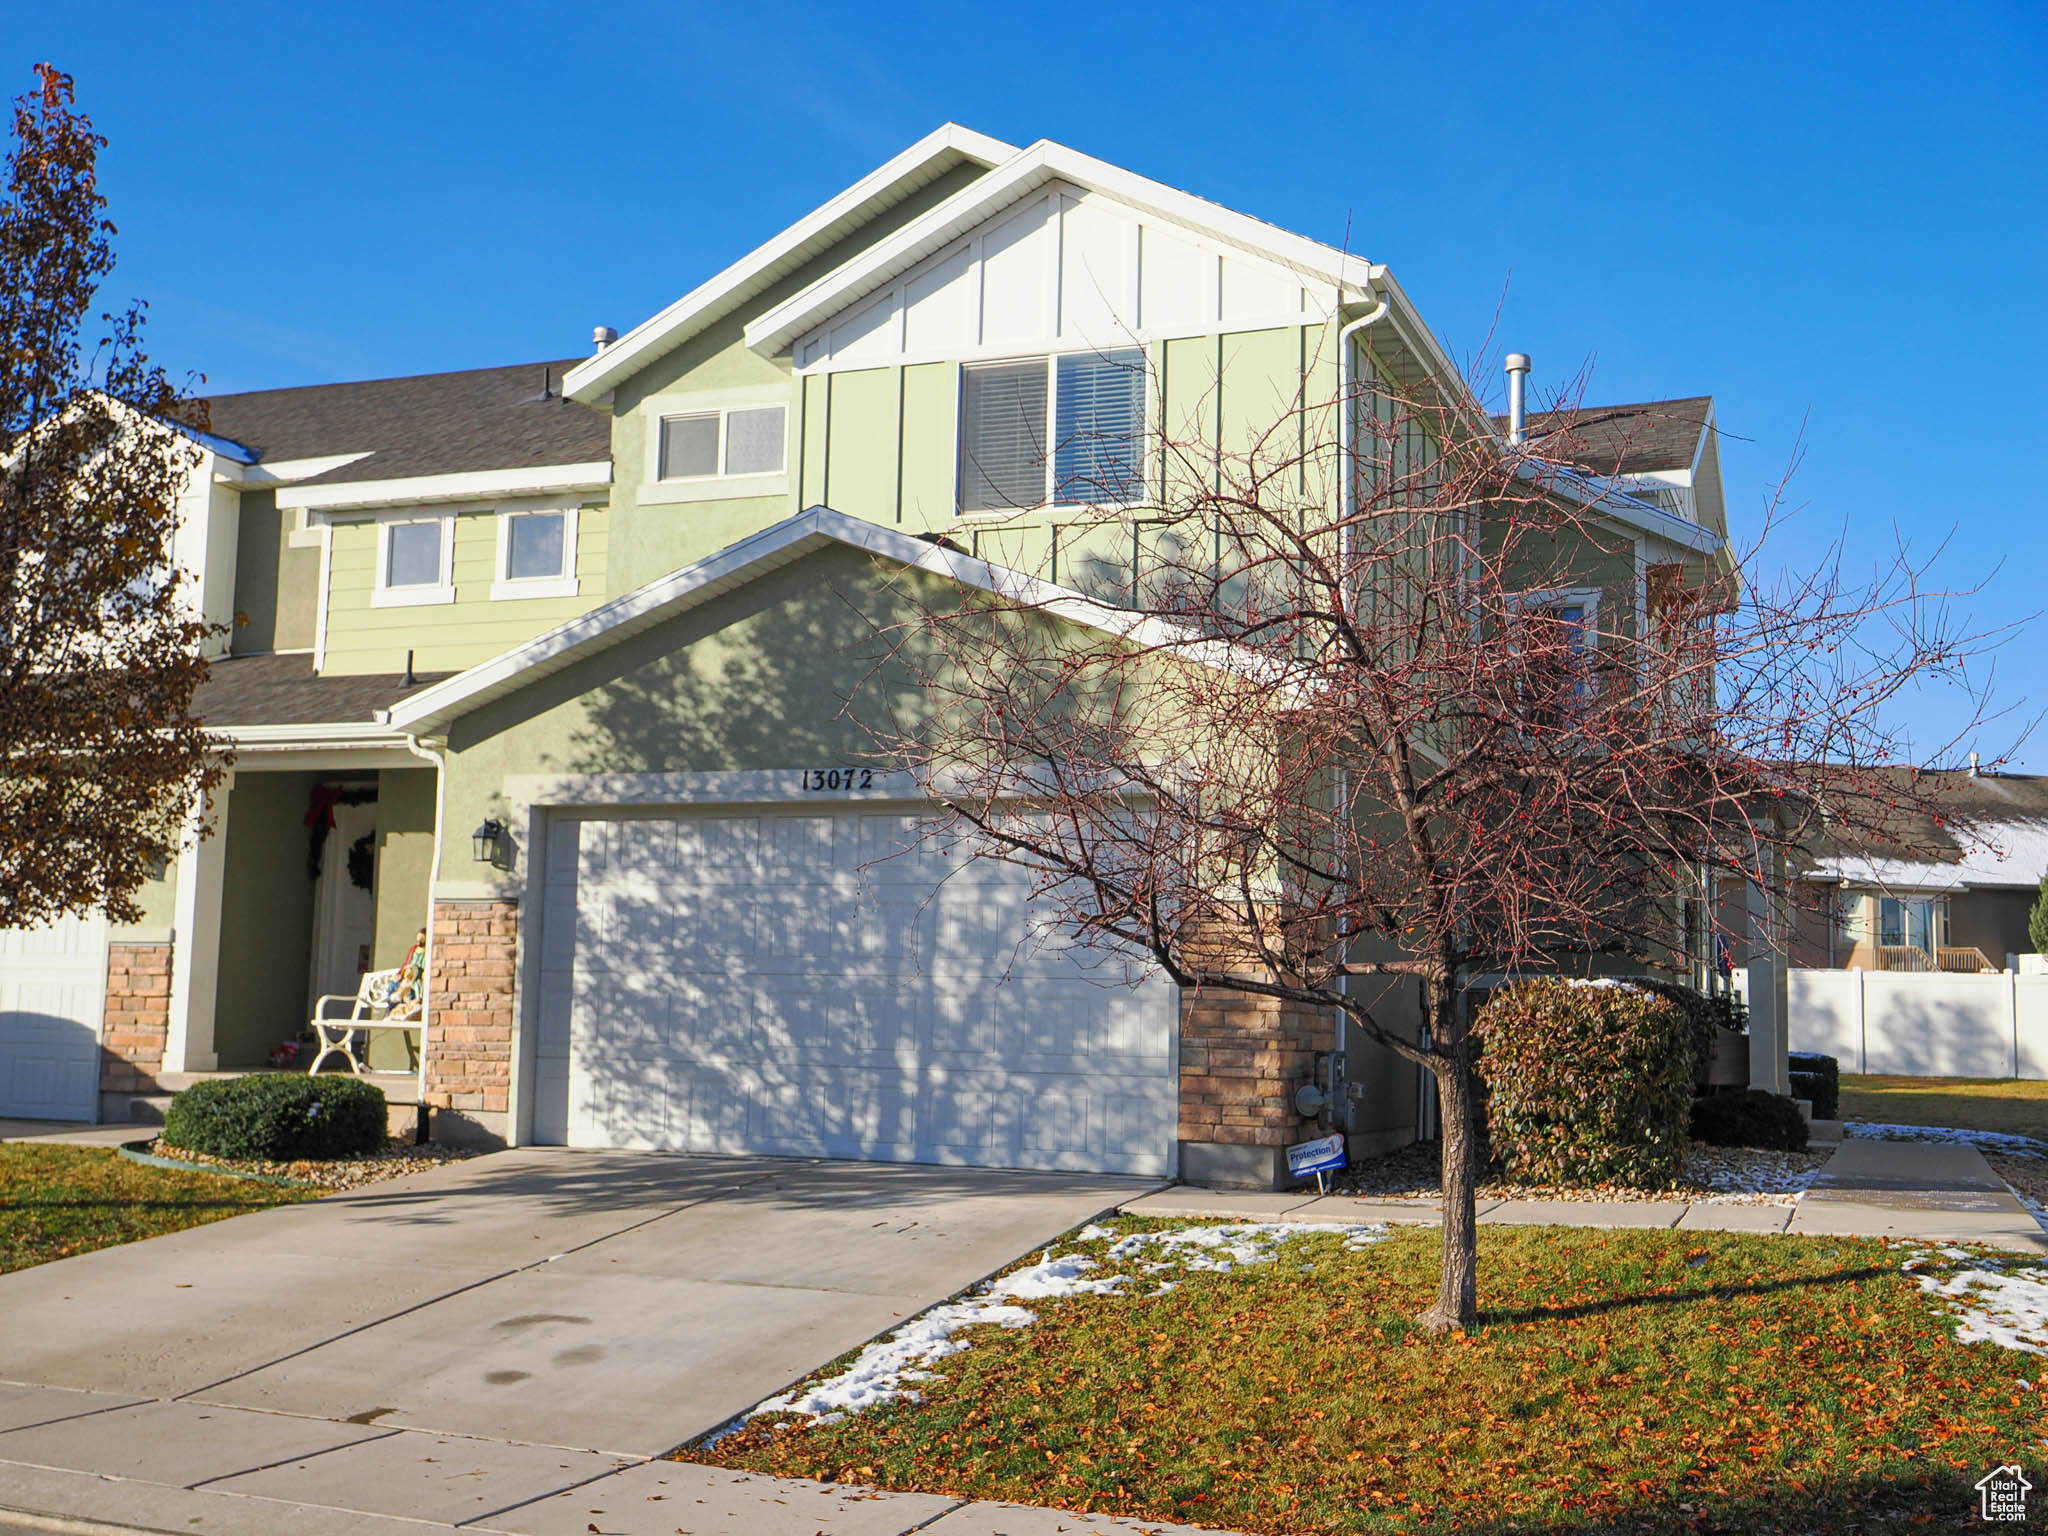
[
  {"x": 1587, "y": 1083},
  {"x": 1818, "y": 1078},
  {"x": 1749, "y": 1118},
  {"x": 1702, "y": 1014},
  {"x": 277, "y": 1115}
]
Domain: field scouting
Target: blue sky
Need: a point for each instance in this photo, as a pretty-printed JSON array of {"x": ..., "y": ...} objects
[{"x": 1830, "y": 217}]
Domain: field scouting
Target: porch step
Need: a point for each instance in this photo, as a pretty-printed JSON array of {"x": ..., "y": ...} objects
[{"x": 401, "y": 1094}]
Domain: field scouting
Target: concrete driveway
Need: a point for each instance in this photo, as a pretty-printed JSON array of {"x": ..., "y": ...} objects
[{"x": 547, "y": 1314}]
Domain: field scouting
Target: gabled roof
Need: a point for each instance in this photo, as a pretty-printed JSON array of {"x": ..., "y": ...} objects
[
  {"x": 1017, "y": 178},
  {"x": 513, "y": 417},
  {"x": 1956, "y": 829},
  {"x": 432, "y": 709},
  {"x": 1633, "y": 439},
  {"x": 767, "y": 264}
]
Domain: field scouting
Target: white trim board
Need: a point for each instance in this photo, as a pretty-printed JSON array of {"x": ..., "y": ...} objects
[
  {"x": 467, "y": 485},
  {"x": 923, "y": 162}
]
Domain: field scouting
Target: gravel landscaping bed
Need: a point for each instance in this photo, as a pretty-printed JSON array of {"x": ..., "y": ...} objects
[
  {"x": 394, "y": 1160},
  {"x": 2028, "y": 1177},
  {"x": 1716, "y": 1175}
]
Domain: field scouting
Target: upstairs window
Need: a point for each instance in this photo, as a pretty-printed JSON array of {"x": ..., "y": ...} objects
[
  {"x": 536, "y": 554},
  {"x": 1053, "y": 431},
  {"x": 706, "y": 445},
  {"x": 415, "y": 561}
]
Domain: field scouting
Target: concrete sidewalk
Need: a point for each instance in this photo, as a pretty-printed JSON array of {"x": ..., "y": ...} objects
[{"x": 1936, "y": 1193}]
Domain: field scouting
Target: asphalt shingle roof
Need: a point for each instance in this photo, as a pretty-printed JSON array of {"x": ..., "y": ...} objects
[
  {"x": 283, "y": 690},
  {"x": 1628, "y": 439},
  {"x": 428, "y": 424}
]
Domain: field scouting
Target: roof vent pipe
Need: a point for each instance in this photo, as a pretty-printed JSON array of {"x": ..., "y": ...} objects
[
  {"x": 604, "y": 336},
  {"x": 1518, "y": 396}
]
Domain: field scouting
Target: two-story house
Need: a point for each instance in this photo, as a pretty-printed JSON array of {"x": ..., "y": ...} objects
[{"x": 555, "y": 661}]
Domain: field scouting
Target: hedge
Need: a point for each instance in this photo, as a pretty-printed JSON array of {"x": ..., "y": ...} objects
[
  {"x": 1819, "y": 1078},
  {"x": 277, "y": 1116},
  {"x": 1588, "y": 1082},
  {"x": 1750, "y": 1118}
]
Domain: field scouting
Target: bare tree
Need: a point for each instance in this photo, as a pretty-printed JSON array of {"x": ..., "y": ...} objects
[
  {"x": 1392, "y": 700},
  {"x": 101, "y": 758}
]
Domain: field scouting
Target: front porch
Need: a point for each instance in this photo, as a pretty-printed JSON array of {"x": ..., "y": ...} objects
[{"x": 316, "y": 871}]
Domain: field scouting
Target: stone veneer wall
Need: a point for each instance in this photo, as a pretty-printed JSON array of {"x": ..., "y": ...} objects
[
  {"x": 137, "y": 1017},
  {"x": 468, "y": 1077},
  {"x": 1241, "y": 1058}
]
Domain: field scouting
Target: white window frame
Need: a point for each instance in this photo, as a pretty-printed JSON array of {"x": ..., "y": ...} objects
[
  {"x": 1052, "y": 416},
  {"x": 1587, "y": 598},
  {"x": 506, "y": 588},
  {"x": 721, "y": 486},
  {"x": 383, "y": 595}
]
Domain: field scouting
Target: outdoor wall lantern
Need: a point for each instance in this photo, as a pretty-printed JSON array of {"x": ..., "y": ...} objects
[{"x": 484, "y": 840}]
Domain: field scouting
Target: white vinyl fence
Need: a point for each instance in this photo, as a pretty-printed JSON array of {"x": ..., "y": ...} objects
[{"x": 1923, "y": 1023}]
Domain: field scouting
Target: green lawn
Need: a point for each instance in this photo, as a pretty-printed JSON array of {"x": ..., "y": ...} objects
[
  {"x": 57, "y": 1201},
  {"x": 1623, "y": 1381},
  {"x": 1966, "y": 1103}
]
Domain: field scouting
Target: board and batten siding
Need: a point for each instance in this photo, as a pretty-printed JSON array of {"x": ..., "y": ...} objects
[{"x": 363, "y": 638}]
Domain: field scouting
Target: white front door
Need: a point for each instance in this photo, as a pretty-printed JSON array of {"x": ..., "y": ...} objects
[
  {"x": 791, "y": 981},
  {"x": 344, "y": 913},
  {"x": 52, "y": 991}
]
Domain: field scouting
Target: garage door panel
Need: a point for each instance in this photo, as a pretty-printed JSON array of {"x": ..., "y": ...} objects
[
  {"x": 52, "y": 991},
  {"x": 787, "y": 989}
]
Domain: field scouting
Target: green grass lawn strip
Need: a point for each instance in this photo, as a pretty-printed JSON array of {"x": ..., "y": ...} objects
[
  {"x": 60, "y": 1201},
  {"x": 1620, "y": 1381},
  {"x": 2010, "y": 1105}
]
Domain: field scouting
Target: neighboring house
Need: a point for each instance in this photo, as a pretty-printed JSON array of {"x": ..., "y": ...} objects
[
  {"x": 1951, "y": 894},
  {"x": 564, "y": 650}
]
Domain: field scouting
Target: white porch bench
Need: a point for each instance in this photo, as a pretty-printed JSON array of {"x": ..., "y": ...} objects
[{"x": 368, "y": 1012}]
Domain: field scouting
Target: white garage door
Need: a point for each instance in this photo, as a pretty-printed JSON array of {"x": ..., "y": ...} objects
[
  {"x": 52, "y": 985},
  {"x": 794, "y": 982}
]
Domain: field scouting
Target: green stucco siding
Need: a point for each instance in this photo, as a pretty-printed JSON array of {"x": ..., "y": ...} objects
[
  {"x": 405, "y": 859},
  {"x": 785, "y": 672},
  {"x": 656, "y": 537},
  {"x": 266, "y": 917},
  {"x": 860, "y": 460},
  {"x": 363, "y": 638},
  {"x": 277, "y": 583},
  {"x": 158, "y": 900}
]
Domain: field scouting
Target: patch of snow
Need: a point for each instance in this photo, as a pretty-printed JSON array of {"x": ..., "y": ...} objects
[
  {"x": 1746, "y": 1171},
  {"x": 1983, "y": 1141},
  {"x": 1602, "y": 981},
  {"x": 2008, "y": 1308},
  {"x": 891, "y": 1367}
]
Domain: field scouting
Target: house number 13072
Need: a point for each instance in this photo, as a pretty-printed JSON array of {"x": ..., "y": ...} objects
[{"x": 825, "y": 780}]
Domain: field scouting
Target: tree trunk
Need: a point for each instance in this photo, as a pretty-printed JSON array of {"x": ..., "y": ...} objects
[{"x": 1457, "y": 1294}]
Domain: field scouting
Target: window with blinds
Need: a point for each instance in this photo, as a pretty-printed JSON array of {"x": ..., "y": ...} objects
[
  {"x": 1100, "y": 409},
  {"x": 1002, "y": 436},
  {"x": 1066, "y": 430}
]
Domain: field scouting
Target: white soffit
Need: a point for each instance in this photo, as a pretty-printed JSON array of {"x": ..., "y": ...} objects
[
  {"x": 924, "y": 162},
  {"x": 465, "y": 485}
]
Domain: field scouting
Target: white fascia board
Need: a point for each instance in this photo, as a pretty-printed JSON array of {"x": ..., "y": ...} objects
[
  {"x": 734, "y": 566},
  {"x": 366, "y": 733},
  {"x": 468, "y": 485},
  {"x": 283, "y": 471},
  {"x": 1626, "y": 510},
  {"x": 591, "y": 378},
  {"x": 1017, "y": 178}
]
